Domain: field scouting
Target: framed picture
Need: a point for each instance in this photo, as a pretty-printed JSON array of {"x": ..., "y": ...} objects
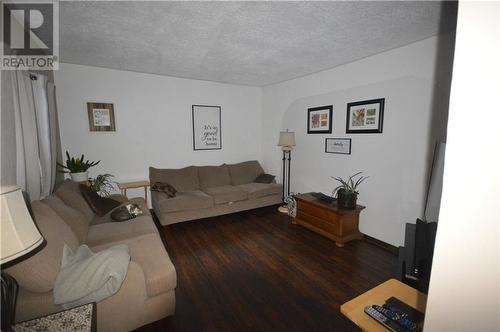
[
  {"x": 319, "y": 120},
  {"x": 338, "y": 145},
  {"x": 101, "y": 116},
  {"x": 206, "y": 127},
  {"x": 364, "y": 117}
]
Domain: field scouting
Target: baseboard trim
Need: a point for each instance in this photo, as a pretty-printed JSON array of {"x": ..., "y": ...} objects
[{"x": 379, "y": 243}]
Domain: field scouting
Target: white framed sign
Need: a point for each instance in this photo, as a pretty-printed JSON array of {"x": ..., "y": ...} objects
[
  {"x": 338, "y": 145},
  {"x": 206, "y": 127}
]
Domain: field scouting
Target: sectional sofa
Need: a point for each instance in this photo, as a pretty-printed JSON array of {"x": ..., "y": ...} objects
[
  {"x": 206, "y": 191},
  {"x": 148, "y": 291}
]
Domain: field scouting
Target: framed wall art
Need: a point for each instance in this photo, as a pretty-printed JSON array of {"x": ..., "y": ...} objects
[
  {"x": 206, "y": 127},
  {"x": 338, "y": 145},
  {"x": 319, "y": 120},
  {"x": 101, "y": 116},
  {"x": 365, "y": 117}
]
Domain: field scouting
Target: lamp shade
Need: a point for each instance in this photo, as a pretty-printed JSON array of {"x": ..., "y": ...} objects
[
  {"x": 287, "y": 140},
  {"x": 18, "y": 232}
]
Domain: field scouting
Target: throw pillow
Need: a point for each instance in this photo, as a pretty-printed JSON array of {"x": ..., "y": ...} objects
[
  {"x": 164, "y": 187},
  {"x": 264, "y": 178},
  {"x": 100, "y": 205}
]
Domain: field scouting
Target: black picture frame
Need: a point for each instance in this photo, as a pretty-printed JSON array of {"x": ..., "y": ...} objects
[
  {"x": 366, "y": 128},
  {"x": 193, "y": 120},
  {"x": 328, "y": 108},
  {"x": 338, "y": 139}
]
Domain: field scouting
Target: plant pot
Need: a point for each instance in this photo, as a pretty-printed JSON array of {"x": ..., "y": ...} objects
[
  {"x": 346, "y": 199},
  {"x": 79, "y": 177}
]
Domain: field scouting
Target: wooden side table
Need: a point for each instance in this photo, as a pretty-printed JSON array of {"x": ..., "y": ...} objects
[
  {"x": 123, "y": 186},
  {"x": 82, "y": 318},
  {"x": 354, "y": 309},
  {"x": 327, "y": 219}
]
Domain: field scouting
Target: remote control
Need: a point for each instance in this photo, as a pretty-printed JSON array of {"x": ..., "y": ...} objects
[
  {"x": 323, "y": 197},
  {"x": 397, "y": 316},
  {"x": 400, "y": 317},
  {"x": 382, "y": 319}
]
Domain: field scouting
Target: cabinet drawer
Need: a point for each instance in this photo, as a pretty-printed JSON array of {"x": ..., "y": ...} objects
[
  {"x": 330, "y": 226},
  {"x": 316, "y": 211}
]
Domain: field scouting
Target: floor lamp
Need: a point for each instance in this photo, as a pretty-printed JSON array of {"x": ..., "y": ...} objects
[
  {"x": 286, "y": 142},
  {"x": 19, "y": 238}
]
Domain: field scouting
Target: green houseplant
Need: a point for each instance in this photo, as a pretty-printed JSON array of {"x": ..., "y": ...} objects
[
  {"x": 102, "y": 184},
  {"x": 77, "y": 167},
  {"x": 347, "y": 191}
]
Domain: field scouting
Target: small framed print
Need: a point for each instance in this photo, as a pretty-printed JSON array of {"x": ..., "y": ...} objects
[
  {"x": 206, "y": 127},
  {"x": 319, "y": 120},
  {"x": 101, "y": 116},
  {"x": 338, "y": 145},
  {"x": 365, "y": 117}
]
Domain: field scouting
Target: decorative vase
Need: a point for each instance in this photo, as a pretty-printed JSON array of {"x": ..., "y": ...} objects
[
  {"x": 346, "y": 199},
  {"x": 80, "y": 177}
]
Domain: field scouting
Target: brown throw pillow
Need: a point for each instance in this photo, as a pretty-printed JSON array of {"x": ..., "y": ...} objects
[
  {"x": 164, "y": 187},
  {"x": 100, "y": 205},
  {"x": 264, "y": 178}
]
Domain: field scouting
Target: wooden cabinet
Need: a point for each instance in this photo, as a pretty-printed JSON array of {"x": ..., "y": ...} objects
[{"x": 327, "y": 219}]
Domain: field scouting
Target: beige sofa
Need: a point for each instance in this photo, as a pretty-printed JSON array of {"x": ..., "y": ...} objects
[
  {"x": 148, "y": 291},
  {"x": 207, "y": 191}
]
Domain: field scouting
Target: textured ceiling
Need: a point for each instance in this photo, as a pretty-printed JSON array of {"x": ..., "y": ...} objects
[{"x": 249, "y": 43}]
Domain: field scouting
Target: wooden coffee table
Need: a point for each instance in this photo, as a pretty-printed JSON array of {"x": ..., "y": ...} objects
[{"x": 328, "y": 219}]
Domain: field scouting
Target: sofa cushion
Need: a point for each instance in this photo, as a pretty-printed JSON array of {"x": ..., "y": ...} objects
[
  {"x": 214, "y": 176},
  {"x": 256, "y": 190},
  {"x": 117, "y": 231},
  {"x": 183, "y": 179},
  {"x": 148, "y": 251},
  {"x": 39, "y": 272},
  {"x": 185, "y": 201},
  {"x": 100, "y": 205},
  {"x": 245, "y": 172},
  {"x": 74, "y": 218},
  {"x": 226, "y": 194},
  {"x": 70, "y": 194}
]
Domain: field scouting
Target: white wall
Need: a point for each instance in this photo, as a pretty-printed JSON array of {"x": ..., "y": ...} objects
[
  {"x": 153, "y": 120},
  {"x": 464, "y": 293},
  {"x": 414, "y": 80}
]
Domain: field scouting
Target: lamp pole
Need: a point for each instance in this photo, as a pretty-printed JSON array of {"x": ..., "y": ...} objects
[
  {"x": 284, "y": 170},
  {"x": 289, "y": 164}
]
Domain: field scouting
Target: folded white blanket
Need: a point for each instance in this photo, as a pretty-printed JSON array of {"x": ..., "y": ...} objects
[{"x": 87, "y": 277}]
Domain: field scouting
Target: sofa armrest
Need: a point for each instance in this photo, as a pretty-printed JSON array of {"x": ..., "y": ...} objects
[{"x": 118, "y": 197}]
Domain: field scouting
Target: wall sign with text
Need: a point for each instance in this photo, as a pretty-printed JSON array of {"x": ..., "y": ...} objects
[
  {"x": 338, "y": 145},
  {"x": 101, "y": 116},
  {"x": 206, "y": 127}
]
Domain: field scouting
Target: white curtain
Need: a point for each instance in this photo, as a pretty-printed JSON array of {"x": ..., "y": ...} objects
[{"x": 35, "y": 133}]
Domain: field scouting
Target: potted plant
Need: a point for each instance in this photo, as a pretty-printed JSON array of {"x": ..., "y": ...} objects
[
  {"x": 347, "y": 192},
  {"x": 77, "y": 167},
  {"x": 102, "y": 184}
]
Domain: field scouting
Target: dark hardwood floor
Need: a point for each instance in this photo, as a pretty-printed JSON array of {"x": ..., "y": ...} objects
[{"x": 254, "y": 271}]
